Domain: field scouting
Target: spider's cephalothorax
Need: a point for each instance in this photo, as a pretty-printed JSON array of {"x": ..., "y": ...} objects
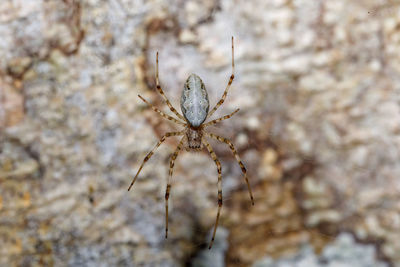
[
  {"x": 194, "y": 106},
  {"x": 194, "y": 138}
]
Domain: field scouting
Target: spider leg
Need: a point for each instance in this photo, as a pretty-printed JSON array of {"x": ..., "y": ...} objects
[
  {"x": 214, "y": 157},
  {"x": 162, "y": 113},
  {"x": 148, "y": 156},
  {"x": 231, "y": 146},
  {"x": 227, "y": 87},
  {"x": 160, "y": 90},
  {"x": 171, "y": 167},
  {"x": 221, "y": 119}
]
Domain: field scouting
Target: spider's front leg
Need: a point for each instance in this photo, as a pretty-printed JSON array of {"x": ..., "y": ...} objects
[
  {"x": 227, "y": 87},
  {"x": 220, "y": 119},
  {"x": 214, "y": 157},
  {"x": 162, "y": 113},
  {"x": 160, "y": 90}
]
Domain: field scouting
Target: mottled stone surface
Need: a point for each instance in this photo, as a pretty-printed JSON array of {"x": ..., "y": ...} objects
[
  {"x": 216, "y": 256},
  {"x": 317, "y": 83},
  {"x": 342, "y": 252}
]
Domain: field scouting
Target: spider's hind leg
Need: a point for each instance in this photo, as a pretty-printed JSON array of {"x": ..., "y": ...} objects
[
  {"x": 232, "y": 147},
  {"x": 214, "y": 157},
  {"x": 148, "y": 156},
  {"x": 167, "y": 191}
]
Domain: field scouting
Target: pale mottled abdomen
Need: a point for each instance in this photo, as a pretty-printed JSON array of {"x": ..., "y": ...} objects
[{"x": 194, "y": 101}]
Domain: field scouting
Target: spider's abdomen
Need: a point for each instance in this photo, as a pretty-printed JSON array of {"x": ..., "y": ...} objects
[{"x": 194, "y": 101}]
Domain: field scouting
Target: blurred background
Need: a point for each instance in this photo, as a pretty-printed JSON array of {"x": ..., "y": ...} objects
[{"x": 317, "y": 84}]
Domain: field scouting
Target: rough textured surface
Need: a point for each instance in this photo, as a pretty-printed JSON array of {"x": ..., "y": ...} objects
[
  {"x": 216, "y": 256},
  {"x": 342, "y": 252},
  {"x": 319, "y": 129}
]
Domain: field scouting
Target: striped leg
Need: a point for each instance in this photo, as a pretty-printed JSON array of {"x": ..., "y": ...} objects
[
  {"x": 226, "y": 141},
  {"x": 171, "y": 167},
  {"x": 214, "y": 157},
  {"x": 160, "y": 90},
  {"x": 162, "y": 113},
  {"x": 227, "y": 87},
  {"x": 220, "y": 119},
  {"x": 152, "y": 152}
]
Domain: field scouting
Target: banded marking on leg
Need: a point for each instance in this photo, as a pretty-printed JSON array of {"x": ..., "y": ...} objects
[
  {"x": 217, "y": 162},
  {"x": 167, "y": 191},
  {"x": 232, "y": 147},
  {"x": 148, "y": 156}
]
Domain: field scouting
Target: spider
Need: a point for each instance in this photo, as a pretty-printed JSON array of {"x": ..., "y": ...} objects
[{"x": 194, "y": 106}]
